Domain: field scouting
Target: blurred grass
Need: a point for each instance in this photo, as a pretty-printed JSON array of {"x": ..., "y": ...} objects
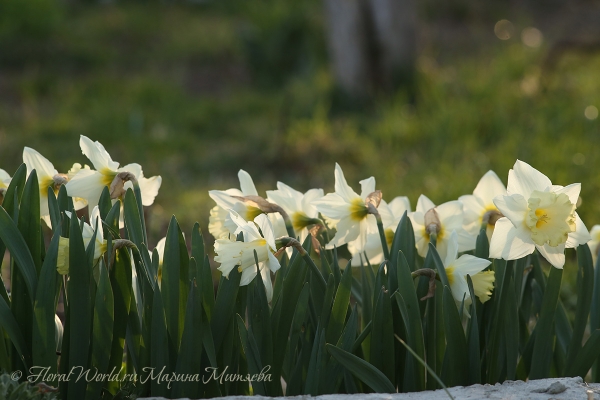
[{"x": 194, "y": 92}]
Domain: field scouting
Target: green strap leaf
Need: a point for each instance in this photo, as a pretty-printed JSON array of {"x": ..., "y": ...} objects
[
  {"x": 17, "y": 246},
  {"x": 542, "y": 349},
  {"x": 457, "y": 373},
  {"x": 585, "y": 292},
  {"x": 362, "y": 370},
  {"x": 44, "y": 324},
  {"x": 102, "y": 331},
  {"x": 80, "y": 307},
  {"x": 337, "y": 318},
  {"x": 404, "y": 241},
  {"x": 382, "y": 354}
]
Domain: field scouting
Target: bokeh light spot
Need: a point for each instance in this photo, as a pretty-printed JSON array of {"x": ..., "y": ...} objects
[
  {"x": 591, "y": 112},
  {"x": 578, "y": 159},
  {"x": 504, "y": 29},
  {"x": 532, "y": 37}
]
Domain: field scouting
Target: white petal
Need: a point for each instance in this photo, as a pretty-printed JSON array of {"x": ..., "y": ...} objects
[
  {"x": 283, "y": 199},
  {"x": 341, "y": 186},
  {"x": 509, "y": 242},
  {"x": 134, "y": 168},
  {"x": 468, "y": 264},
  {"x": 223, "y": 199},
  {"x": 424, "y": 204},
  {"x": 309, "y": 197},
  {"x": 87, "y": 184},
  {"x": 399, "y": 205},
  {"x": 466, "y": 241},
  {"x": 149, "y": 189},
  {"x": 248, "y": 275},
  {"x": 460, "y": 289},
  {"x": 266, "y": 228},
  {"x": 473, "y": 210},
  {"x": 489, "y": 186},
  {"x": 249, "y": 230},
  {"x": 367, "y": 186},
  {"x": 580, "y": 236},
  {"x": 347, "y": 231},
  {"x": 97, "y": 154},
  {"x": 34, "y": 160},
  {"x": 273, "y": 262},
  {"x": 523, "y": 179},
  {"x": 572, "y": 191},
  {"x": 513, "y": 207},
  {"x": 246, "y": 184},
  {"x": 450, "y": 215},
  {"x": 387, "y": 216},
  {"x": 452, "y": 249},
  {"x": 333, "y": 206},
  {"x": 265, "y": 274},
  {"x": 4, "y": 176},
  {"x": 554, "y": 255}
]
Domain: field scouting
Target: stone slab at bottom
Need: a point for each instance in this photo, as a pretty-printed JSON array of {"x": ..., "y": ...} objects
[{"x": 541, "y": 389}]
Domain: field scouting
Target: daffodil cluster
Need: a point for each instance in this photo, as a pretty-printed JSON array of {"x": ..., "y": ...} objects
[{"x": 530, "y": 214}]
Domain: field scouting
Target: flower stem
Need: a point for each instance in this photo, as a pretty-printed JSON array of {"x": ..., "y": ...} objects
[{"x": 384, "y": 246}]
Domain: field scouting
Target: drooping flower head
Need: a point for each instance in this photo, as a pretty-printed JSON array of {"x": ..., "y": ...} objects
[
  {"x": 221, "y": 225},
  {"x": 89, "y": 184},
  {"x": 457, "y": 270},
  {"x": 441, "y": 220},
  {"x": 297, "y": 205},
  {"x": 479, "y": 207},
  {"x": 47, "y": 177},
  {"x": 538, "y": 215},
  {"x": 347, "y": 211},
  {"x": 232, "y": 254},
  {"x": 390, "y": 213}
]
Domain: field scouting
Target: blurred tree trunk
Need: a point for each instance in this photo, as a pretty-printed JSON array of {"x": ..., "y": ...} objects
[{"x": 371, "y": 43}]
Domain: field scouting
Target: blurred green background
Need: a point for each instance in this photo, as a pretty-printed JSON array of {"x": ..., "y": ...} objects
[{"x": 194, "y": 91}]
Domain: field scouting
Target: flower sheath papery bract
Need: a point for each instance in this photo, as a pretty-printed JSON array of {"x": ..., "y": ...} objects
[
  {"x": 89, "y": 184},
  {"x": 538, "y": 215},
  {"x": 348, "y": 211},
  {"x": 298, "y": 206},
  {"x": 449, "y": 216},
  {"x": 390, "y": 213},
  {"x": 458, "y": 268},
  {"x": 62, "y": 263},
  {"x": 240, "y": 255},
  {"x": 480, "y": 205},
  {"x": 220, "y": 224}
]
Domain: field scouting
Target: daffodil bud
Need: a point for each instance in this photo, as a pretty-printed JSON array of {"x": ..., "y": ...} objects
[
  {"x": 432, "y": 222},
  {"x": 117, "y": 186}
]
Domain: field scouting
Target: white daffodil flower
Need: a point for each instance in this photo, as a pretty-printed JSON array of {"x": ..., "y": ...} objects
[
  {"x": 297, "y": 205},
  {"x": 447, "y": 217},
  {"x": 390, "y": 217},
  {"x": 593, "y": 244},
  {"x": 4, "y": 182},
  {"x": 231, "y": 254},
  {"x": 457, "y": 270},
  {"x": 220, "y": 224},
  {"x": 480, "y": 206},
  {"x": 348, "y": 210},
  {"x": 4, "y": 179},
  {"x": 47, "y": 176},
  {"x": 89, "y": 184},
  {"x": 62, "y": 263},
  {"x": 538, "y": 215}
]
